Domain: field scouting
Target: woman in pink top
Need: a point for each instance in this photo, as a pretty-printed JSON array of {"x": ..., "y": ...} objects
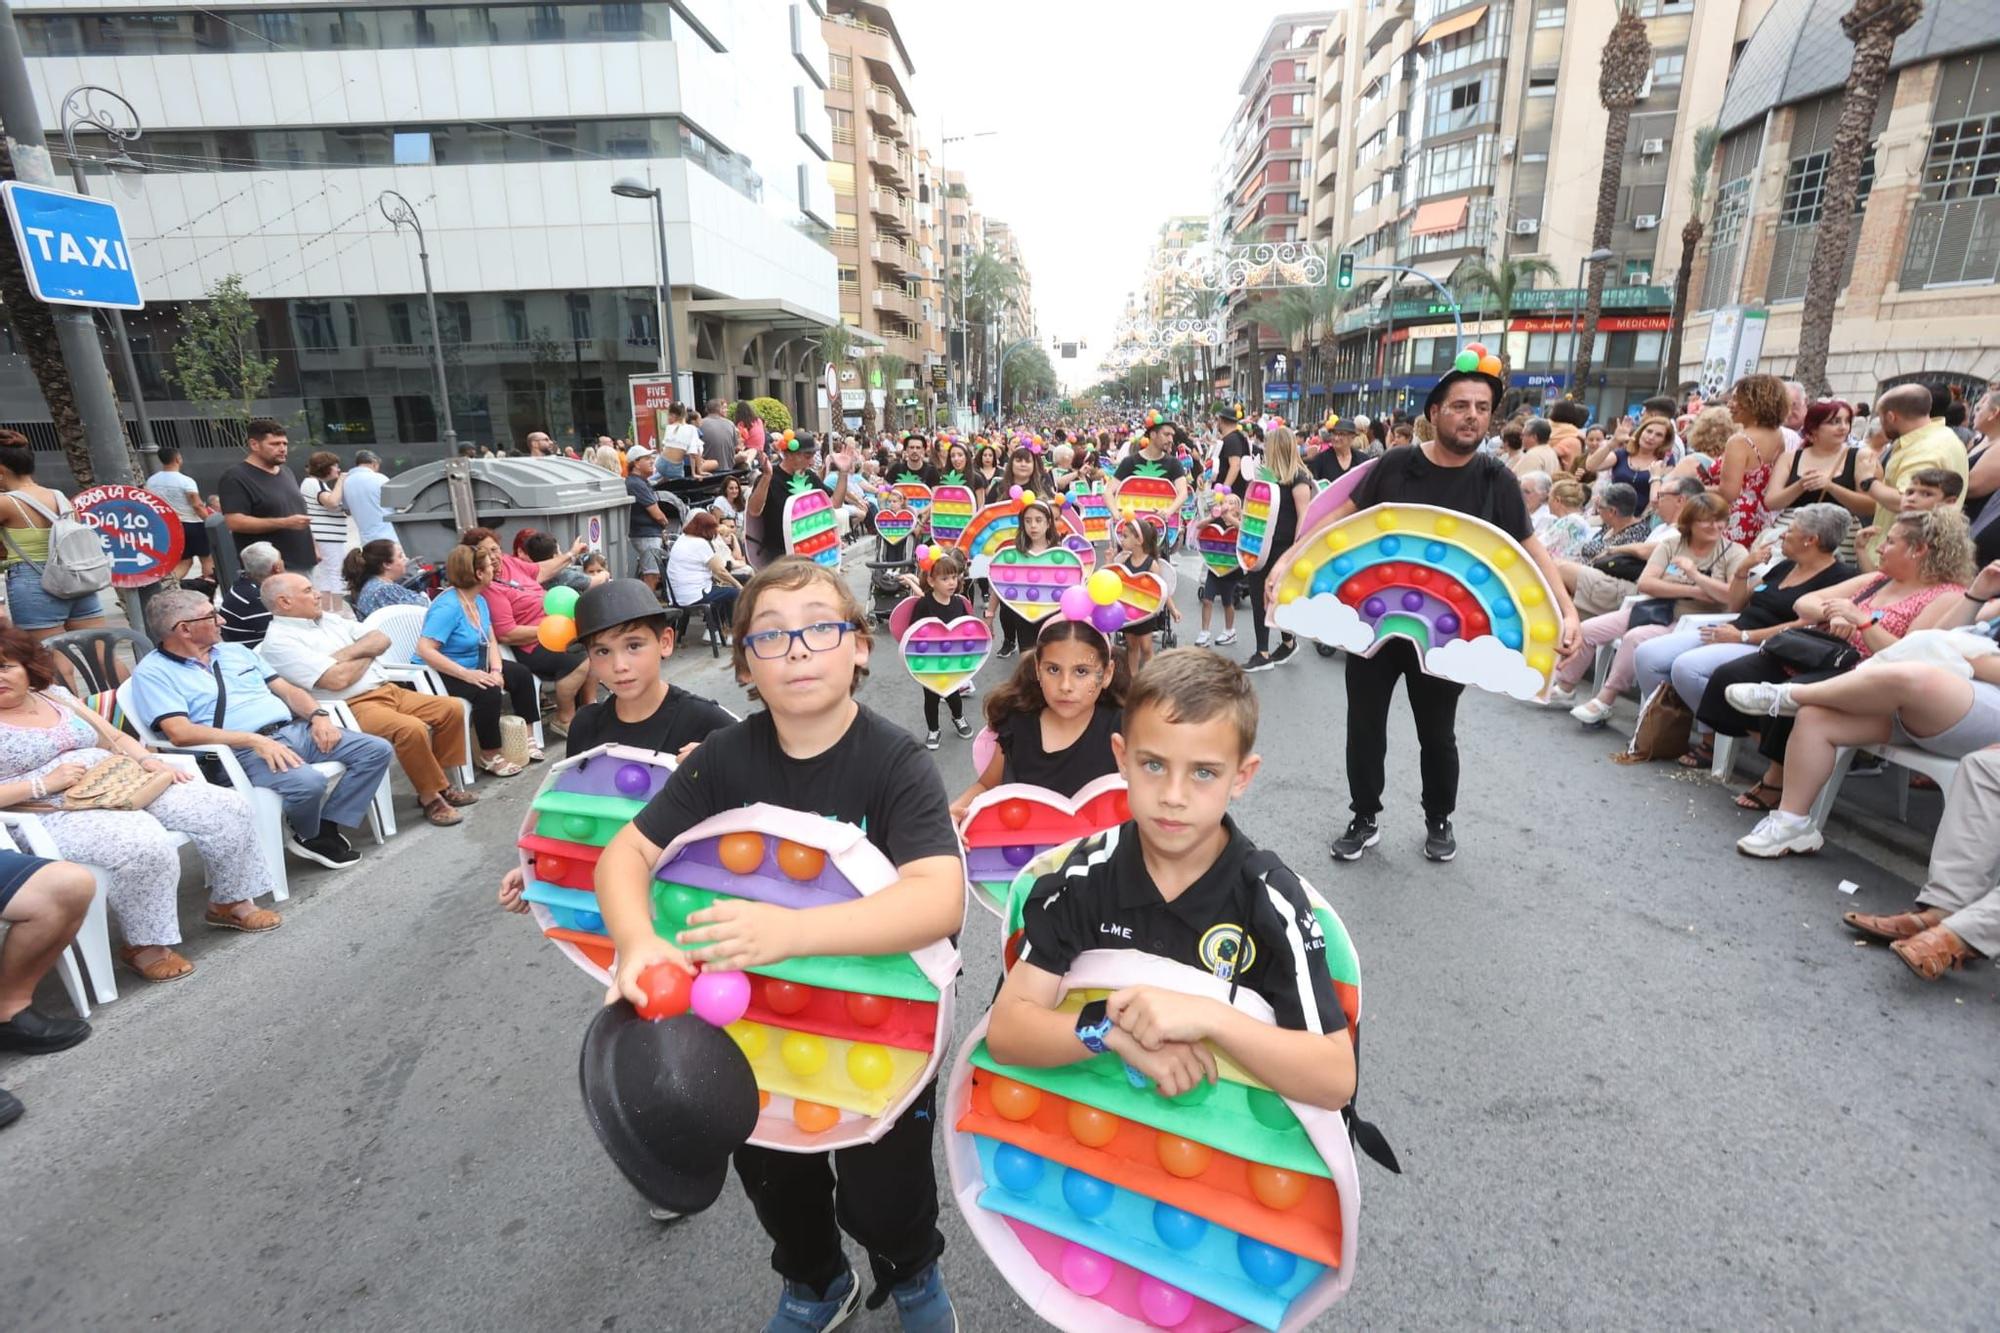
[
  {"x": 1759, "y": 403},
  {"x": 515, "y": 602}
]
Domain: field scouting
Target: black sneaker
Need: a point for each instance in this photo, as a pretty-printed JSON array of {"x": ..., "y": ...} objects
[
  {"x": 1439, "y": 845},
  {"x": 1006, "y": 650},
  {"x": 1284, "y": 651},
  {"x": 32, "y": 1032},
  {"x": 1258, "y": 662},
  {"x": 962, "y": 727},
  {"x": 930, "y": 740},
  {"x": 10, "y": 1108},
  {"x": 330, "y": 832},
  {"x": 1360, "y": 836},
  {"x": 333, "y": 853}
]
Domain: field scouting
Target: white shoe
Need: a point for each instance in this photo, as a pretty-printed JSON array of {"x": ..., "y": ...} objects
[
  {"x": 1227, "y": 636},
  {"x": 1779, "y": 833},
  {"x": 1559, "y": 696},
  {"x": 1762, "y": 699},
  {"x": 1592, "y": 712},
  {"x": 1201, "y": 639}
]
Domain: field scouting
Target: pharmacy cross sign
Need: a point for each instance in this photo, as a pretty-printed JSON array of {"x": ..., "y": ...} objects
[{"x": 72, "y": 248}]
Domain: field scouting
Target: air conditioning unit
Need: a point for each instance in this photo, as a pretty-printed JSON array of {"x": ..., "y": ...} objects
[
  {"x": 1646, "y": 222},
  {"x": 1652, "y": 147},
  {"x": 1506, "y": 148},
  {"x": 1638, "y": 279},
  {"x": 1527, "y": 226}
]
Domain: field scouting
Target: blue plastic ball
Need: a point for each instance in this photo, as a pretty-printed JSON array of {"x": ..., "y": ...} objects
[
  {"x": 1503, "y": 610},
  {"x": 1086, "y": 1195},
  {"x": 1390, "y": 545},
  {"x": 1478, "y": 574},
  {"x": 591, "y": 922},
  {"x": 1016, "y": 1168},
  {"x": 1435, "y": 552},
  {"x": 1510, "y": 636},
  {"x": 1177, "y": 1229},
  {"x": 1266, "y": 1265},
  {"x": 1343, "y": 565}
]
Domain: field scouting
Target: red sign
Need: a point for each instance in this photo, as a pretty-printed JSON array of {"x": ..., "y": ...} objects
[
  {"x": 1607, "y": 324},
  {"x": 651, "y": 396},
  {"x": 141, "y": 532}
]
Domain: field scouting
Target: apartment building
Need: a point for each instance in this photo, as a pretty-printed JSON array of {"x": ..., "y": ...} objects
[{"x": 271, "y": 130}]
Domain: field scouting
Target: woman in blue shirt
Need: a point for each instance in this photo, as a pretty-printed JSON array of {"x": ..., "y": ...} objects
[{"x": 458, "y": 643}]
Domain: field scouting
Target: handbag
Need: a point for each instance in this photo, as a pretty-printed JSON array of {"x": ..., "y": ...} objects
[
  {"x": 1652, "y": 611},
  {"x": 1624, "y": 568},
  {"x": 1665, "y": 723},
  {"x": 116, "y": 783},
  {"x": 1811, "y": 652}
]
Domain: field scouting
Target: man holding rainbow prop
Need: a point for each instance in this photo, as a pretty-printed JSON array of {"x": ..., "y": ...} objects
[{"x": 1442, "y": 584}]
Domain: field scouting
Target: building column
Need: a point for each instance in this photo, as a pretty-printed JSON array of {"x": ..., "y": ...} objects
[{"x": 1885, "y": 221}]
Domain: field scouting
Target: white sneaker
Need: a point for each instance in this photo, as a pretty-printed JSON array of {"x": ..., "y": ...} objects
[
  {"x": 1592, "y": 712},
  {"x": 1779, "y": 833},
  {"x": 1559, "y": 696},
  {"x": 1227, "y": 636},
  {"x": 1201, "y": 639},
  {"x": 1762, "y": 699}
]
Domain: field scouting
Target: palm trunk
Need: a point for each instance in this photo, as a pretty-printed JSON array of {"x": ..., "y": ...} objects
[
  {"x": 1608, "y": 180},
  {"x": 1683, "y": 279},
  {"x": 36, "y": 334}
]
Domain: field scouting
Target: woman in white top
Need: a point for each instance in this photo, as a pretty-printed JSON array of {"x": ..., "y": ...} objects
[
  {"x": 698, "y": 570},
  {"x": 328, "y": 510},
  {"x": 679, "y": 442}
]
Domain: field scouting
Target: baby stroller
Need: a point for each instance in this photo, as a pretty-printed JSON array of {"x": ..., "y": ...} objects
[{"x": 885, "y": 575}]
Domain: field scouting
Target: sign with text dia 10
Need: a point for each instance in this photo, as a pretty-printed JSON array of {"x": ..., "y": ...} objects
[
  {"x": 141, "y": 532},
  {"x": 72, "y": 248}
]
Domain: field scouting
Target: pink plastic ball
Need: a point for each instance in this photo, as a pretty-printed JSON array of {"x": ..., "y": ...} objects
[
  {"x": 1086, "y": 1272},
  {"x": 720, "y": 998},
  {"x": 1013, "y": 492},
  {"x": 1076, "y": 603},
  {"x": 1163, "y": 1306}
]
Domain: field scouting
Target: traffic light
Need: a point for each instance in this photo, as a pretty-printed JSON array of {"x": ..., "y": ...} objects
[{"x": 1345, "y": 278}]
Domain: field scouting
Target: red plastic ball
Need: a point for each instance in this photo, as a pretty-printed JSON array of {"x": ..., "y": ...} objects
[
  {"x": 1014, "y": 814},
  {"x": 550, "y": 869},
  {"x": 785, "y": 997},
  {"x": 668, "y": 990},
  {"x": 870, "y": 1011}
]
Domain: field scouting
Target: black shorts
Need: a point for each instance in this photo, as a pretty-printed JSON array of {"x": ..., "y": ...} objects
[
  {"x": 1150, "y": 625},
  {"x": 1228, "y": 587},
  {"x": 16, "y": 869},
  {"x": 546, "y": 664},
  {"x": 194, "y": 540}
]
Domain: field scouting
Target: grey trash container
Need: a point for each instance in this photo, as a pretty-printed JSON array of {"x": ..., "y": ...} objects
[{"x": 560, "y": 496}]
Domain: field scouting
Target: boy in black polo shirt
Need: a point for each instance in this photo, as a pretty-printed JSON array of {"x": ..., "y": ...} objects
[{"x": 1180, "y": 881}]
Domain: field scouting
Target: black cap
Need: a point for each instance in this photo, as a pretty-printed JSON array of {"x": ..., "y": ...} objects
[
  {"x": 614, "y": 602},
  {"x": 1452, "y": 377},
  {"x": 670, "y": 1102},
  {"x": 1226, "y": 414}
]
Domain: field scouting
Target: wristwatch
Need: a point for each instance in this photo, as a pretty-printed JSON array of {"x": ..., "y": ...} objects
[
  {"x": 319, "y": 712},
  {"x": 1092, "y": 1027}
]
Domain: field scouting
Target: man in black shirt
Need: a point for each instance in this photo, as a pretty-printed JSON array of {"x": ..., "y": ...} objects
[
  {"x": 766, "y": 527},
  {"x": 261, "y": 501},
  {"x": 1234, "y": 455},
  {"x": 915, "y": 464},
  {"x": 1450, "y": 472}
]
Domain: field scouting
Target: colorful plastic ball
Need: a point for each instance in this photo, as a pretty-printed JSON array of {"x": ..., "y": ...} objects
[
  {"x": 1413, "y": 601},
  {"x": 785, "y": 998},
  {"x": 1489, "y": 364},
  {"x": 1086, "y": 1195},
  {"x": 1177, "y": 1229},
  {"x": 869, "y": 1066},
  {"x": 1447, "y": 623},
  {"x": 1014, "y": 814},
  {"x": 580, "y": 827},
  {"x": 590, "y": 921},
  {"x": 1085, "y": 1271},
  {"x": 1091, "y": 1127},
  {"x": 1026, "y": 497},
  {"x": 740, "y": 853},
  {"x": 720, "y": 998},
  {"x": 1014, "y": 492},
  {"x": 1163, "y": 1306},
  {"x": 1014, "y": 1101},
  {"x": 1104, "y": 587},
  {"x": 814, "y": 1118},
  {"x": 870, "y": 1011},
  {"x": 632, "y": 779},
  {"x": 560, "y": 602},
  {"x": 1465, "y": 362},
  {"x": 1266, "y": 1265},
  {"x": 804, "y": 1053},
  {"x": 1108, "y": 619},
  {"x": 1076, "y": 603},
  {"x": 1222, "y": 489},
  {"x": 1374, "y": 608},
  {"x": 1269, "y": 1109},
  {"x": 550, "y": 868},
  {"x": 556, "y": 633},
  {"x": 799, "y": 861},
  {"x": 1182, "y": 1157},
  {"x": 750, "y": 1038},
  {"x": 1477, "y": 349},
  {"x": 1016, "y": 1169},
  {"x": 1017, "y": 855},
  {"x": 667, "y": 989}
]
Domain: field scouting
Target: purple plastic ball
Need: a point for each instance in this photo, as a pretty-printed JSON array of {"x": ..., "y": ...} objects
[
  {"x": 1374, "y": 607},
  {"x": 1108, "y": 619},
  {"x": 1413, "y": 601},
  {"x": 633, "y": 779},
  {"x": 1017, "y": 855},
  {"x": 1447, "y": 623}
]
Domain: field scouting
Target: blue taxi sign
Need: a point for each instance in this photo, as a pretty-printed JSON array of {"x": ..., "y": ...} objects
[{"x": 72, "y": 247}]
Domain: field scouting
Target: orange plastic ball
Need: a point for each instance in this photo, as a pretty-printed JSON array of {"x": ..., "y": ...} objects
[
  {"x": 667, "y": 989},
  {"x": 1014, "y": 814},
  {"x": 814, "y": 1118},
  {"x": 1276, "y": 1187},
  {"x": 786, "y": 997},
  {"x": 800, "y": 861},
  {"x": 1014, "y": 1101},
  {"x": 1182, "y": 1157},
  {"x": 870, "y": 1011},
  {"x": 1091, "y": 1127},
  {"x": 763, "y": 1100},
  {"x": 740, "y": 853},
  {"x": 550, "y": 869}
]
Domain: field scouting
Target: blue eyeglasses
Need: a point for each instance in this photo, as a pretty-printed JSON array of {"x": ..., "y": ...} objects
[{"x": 771, "y": 644}]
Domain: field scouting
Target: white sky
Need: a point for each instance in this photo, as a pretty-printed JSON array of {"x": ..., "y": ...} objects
[{"x": 1110, "y": 115}]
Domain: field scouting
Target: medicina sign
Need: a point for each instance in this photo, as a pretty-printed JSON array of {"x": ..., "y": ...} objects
[{"x": 72, "y": 247}]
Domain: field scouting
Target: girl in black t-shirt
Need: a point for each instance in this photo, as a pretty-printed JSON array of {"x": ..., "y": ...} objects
[
  {"x": 1139, "y": 551},
  {"x": 1037, "y": 532},
  {"x": 1055, "y": 716},
  {"x": 938, "y": 598},
  {"x": 1024, "y": 469}
]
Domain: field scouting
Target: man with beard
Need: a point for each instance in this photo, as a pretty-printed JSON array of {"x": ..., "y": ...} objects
[{"x": 1449, "y": 472}]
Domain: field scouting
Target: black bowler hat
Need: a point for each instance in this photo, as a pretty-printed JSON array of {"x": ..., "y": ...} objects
[
  {"x": 1452, "y": 377},
  {"x": 670, "y": 1101}
]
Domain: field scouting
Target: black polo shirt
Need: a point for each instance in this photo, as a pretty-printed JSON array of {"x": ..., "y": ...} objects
[{"x": 1259, "y": 932}]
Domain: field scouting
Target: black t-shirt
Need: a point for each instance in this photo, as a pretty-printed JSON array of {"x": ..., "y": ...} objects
[
  {"x": 875, "y": 777},
  {"x": 680, "y": 718},
  {"x": 1771, "y": 605},
  {"x": 1325, "y": 465},
  {"x": 1170, "y": 466},
  {"x": 1483, "y": 488},
  {"x": 1234, "y": 445},
  {"x": 1067, "y": 771},
  {"x": 643, "y": 499},
  {"x": 1259, "y": 933},
  {"x": 1285, "y": 516},
  {"x": 900, "y": 473},
  {"x": 930, "y": 608},
  {"x": 253, "y": 491}
]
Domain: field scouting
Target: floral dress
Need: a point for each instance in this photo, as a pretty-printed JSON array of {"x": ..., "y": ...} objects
[
  {"x": 140, "y": 861},
  {"x": 1747, "y": 514}
]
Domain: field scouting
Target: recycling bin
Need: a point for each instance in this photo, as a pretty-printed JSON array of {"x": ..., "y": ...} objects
[{"x": 563, "y": 497}]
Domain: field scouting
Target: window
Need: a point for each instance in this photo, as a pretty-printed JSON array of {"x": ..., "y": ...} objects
[
  {"x": 641, "y": 322},
  {"x": 416, "y": 418},
  {"x": 411, "y": 149},
  {"x": 315, "y": 325},
  {"x": 579, "y": 317},
  {"x": 1485, "y": 40},
  {"x": 1551, "y": 13},
  {"x": 514, "y": 311},
  {"x": 841, "y": 68},
  {"x": 843, "y": 124},
  {"x": 348, "y": 420},
  {"x": 840, "y": 175},
  {"x": 1667, "y": 69},
  {"x": 1456, "y": 166},
  {"x": 400, "y": 330},
  {"x": 175, "y": 32},
  {"x": 1736, "y": 159},
  {"x": 1455, "y": 106},
  {"x": 454, "y": 321}
]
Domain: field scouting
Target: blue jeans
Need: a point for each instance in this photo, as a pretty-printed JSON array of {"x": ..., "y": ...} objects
[{"x": 303, "y": 789}]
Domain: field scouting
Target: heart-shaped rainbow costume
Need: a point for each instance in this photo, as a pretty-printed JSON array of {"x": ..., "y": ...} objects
[
  {"x": 1009, "y": 826},
  {"x": 952, "y": 508},
  {"x": 1218, "y": 549},
  {"x": 895, "y": 525},
  {"x": 942, "y": 657},
  {"x": 1033, "y": 584},
  {"x": 1142, "y": 595},
  {"x": 1149, "y": 492},
  {"x": 916, "y": 494}
]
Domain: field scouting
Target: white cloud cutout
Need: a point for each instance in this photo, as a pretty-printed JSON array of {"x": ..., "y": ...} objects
[
  {"x": 1326, "y": 619},
  {"x": 1487, "y": 663}
]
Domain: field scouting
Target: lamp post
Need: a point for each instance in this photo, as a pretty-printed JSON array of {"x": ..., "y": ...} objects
[
  {"x": 1597, "y": 256},
  {"x": 81, "y": 107},
  {"x": 400, "y": 213},
  {"x": 631, "y": 187},
  {"x": 959, "y": 382}
]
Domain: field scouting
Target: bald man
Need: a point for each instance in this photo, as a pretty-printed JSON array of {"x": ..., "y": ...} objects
[{"x": 1917, "y": 440}]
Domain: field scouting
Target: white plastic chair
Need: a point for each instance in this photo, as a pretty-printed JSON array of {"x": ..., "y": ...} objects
[{"x": 1905, "y": 759}]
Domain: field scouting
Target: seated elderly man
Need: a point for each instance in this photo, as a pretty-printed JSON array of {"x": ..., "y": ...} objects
[
  {"x": 244, "y": 615},
  {"x": 335, "y": 658},
  {"x": 1956, "y": 917},
  {"x": 197, "y": 690}
]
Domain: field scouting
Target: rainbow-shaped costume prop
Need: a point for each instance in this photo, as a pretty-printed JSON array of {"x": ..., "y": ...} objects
[
  {"x": 1112, "y": 1209},
  {"x": 991, "y": 530},
  {"x": 1010, "y": 826},
  {"x": 1465, "y": 593}
]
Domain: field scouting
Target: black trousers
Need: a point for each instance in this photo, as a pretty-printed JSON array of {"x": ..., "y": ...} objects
[
  {"x": 545, "y": 663},
  {"x": 884, "y": 1194},
  {"x": 1016, "y": 631},
  {"x": 486, "y": 701},
  {"x": 1254, "y": 583},
  {"x": 1773, "y": 733},
  {"x": 1371, "y": 684},
  {"x": 956, "y": 701}
]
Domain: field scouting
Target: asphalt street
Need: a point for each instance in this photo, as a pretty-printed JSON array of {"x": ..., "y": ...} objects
[{"x": 1635, "y": 1081}]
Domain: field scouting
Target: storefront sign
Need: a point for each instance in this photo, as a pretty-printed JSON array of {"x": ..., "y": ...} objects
[{"x": 652, "y": 395}]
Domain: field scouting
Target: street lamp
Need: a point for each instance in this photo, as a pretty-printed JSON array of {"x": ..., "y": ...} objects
[
  {"x": 80, "y": 107},
  {"x": 1597, "y": 256},
  {"x": 960, "y": 324},
  {"x": 631, "y": 187},
  {"x": 400, "y": 213}
]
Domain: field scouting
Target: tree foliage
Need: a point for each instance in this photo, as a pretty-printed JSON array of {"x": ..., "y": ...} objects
[{"x": 215, "y": 359}]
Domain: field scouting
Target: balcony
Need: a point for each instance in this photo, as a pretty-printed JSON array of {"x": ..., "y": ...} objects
[
  {"x": 1383, "y": 16},
  {"x": 887, "y": 110},
  {"x": 1327, "y": 165},
  {"x": 891, "y": 253},
  {"x": 890, "y": 163},
  {"x": 895, "y": 301},
  {"x": 890, "y": 209}
]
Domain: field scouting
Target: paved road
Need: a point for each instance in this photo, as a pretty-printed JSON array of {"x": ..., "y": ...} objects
[{"x": 1635, "y": 1082}]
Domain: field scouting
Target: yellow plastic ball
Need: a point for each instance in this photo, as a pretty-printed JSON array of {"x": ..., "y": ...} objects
[
  {"x": 1543, "y": 632},
  {"x": 803, "y": 1053},
  {"x": 1103, "y": 587},
  {"x": 868, "y": 1065},
  {"x": 1531, "y": 596},
  {"x": 1445, "y": 525},
  {"x": 1385, "y": 520},
  {"x": 1502, "y": 557},
  {"x": 750, "y": 1038},
  {"x": 1541, "y": 662},
  {"x": 1337, "y": 541},
  {"x": 1027, "y": 497}
]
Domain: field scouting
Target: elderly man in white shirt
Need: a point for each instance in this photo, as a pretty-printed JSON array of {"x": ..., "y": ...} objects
[{"x": 335, "y": 658}]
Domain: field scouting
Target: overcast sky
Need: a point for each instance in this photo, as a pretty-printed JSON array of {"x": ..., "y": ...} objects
[{"x": 1109, "y": 115}]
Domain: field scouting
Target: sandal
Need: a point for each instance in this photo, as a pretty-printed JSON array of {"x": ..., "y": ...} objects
[
  {"x": 559, "y": 730},
  {"x": 169, "y": 966},
  {"x": 440, "y": 812},
  {"x": 255, "y": 921},
  {"x": 499, "y": 766},
  {"x": 535, "y": 755},
  {"x": 460, "y": 796},
  {"x": 1750, "y": 800},
  {"x": 1701, "y": 756}
]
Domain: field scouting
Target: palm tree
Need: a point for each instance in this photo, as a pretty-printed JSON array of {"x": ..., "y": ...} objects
[
  {"x": 1873, "y": 26},
  {"x": 992, "y": 292},
  {"x": 892, "y": 368},
  {"x": 836, "y": 348},
  {"x": 1500, "y": 280},
  {"x": 1705, "y": 140},
  {"x": 1621, "y": 78}
]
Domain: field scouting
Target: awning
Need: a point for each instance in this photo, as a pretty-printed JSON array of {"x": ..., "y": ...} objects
[
  {"x": 1456, "y": 23},
  {"x": 1439, "y": 269},
  {"x": 778, "y": 313},
  {"x": 1440, "y": 215}
]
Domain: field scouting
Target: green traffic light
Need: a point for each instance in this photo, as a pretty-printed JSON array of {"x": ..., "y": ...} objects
[{"x": 1346, "y": 277}]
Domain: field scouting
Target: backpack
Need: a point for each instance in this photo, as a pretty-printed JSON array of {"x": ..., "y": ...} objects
[{"x": 78, "y": 563}]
